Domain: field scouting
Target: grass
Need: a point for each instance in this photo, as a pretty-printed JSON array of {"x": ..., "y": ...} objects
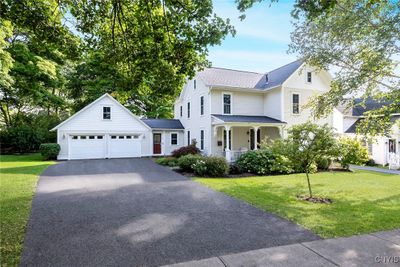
[
  {"x": 18, "y": 178},
  {"x": 364, "y": 202}
]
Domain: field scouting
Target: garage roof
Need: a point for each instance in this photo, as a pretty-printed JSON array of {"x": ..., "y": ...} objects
[{"x": 164, "y": 124}]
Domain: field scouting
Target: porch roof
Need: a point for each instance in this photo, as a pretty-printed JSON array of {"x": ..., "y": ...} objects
[{"x": 247, "y": 119}]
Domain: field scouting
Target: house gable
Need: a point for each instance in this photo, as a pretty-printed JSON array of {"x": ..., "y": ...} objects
[{"x": 90, "y": 118}]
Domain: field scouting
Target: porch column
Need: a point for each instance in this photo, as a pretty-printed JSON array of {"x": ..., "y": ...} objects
[
  {"x": 228, "y": 141},
  {"x": 255, "y": 128}
]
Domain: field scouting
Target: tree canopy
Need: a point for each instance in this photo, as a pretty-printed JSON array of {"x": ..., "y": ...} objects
[{"x": 360, "y": 42}]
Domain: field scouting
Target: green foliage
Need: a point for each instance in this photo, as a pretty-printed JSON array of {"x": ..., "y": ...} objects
[
  {"x": 211, "y": 166},
  {"x": 49, "y": 150},
  {"x": 309, "y": 142},
  {"x": 264, "y": 161},
  {"x": 186, "y": 162},
  {"x": 167, "y": 161},
  {"x": 323, "y": 163},
  {"x": 352, "y": 152}
]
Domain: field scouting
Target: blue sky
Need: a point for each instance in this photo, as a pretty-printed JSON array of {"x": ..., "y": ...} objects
[{"x": 261, "y": 41}]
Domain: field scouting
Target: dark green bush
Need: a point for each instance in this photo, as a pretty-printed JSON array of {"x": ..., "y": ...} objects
[
  {"x": 323, "y": 163},
  {"x": 264, "y": 161},
  {"x": 211, "y": 166},
  {"x": 167, "y": 161},
  {"x": 49, "y": 150},
  {"x": 186, "y": 162}
]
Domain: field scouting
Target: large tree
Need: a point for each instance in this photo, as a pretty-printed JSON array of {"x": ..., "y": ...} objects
[{"x": 360, "y": 42}]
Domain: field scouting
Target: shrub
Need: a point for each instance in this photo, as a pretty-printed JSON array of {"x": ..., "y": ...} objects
[
  {"x": 264, "y": 162},
  {"x": 370, "y": 162},
  {"x": 211, "y": 166},
  {"x": 186, "y": 150},
  {"x": 351, "y": 151},
  {"x": 49, "y": 150},
  {"x": 323, "y": 163},
  {"x": 167, "y": 161},
  {"x": 186, "y": 162},
  {"x": 234, "y": 169}
]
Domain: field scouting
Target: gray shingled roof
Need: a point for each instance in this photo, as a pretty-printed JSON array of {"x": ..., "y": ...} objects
[
  {"x": 244, "y": 79},
  {"x": 359, "y": 106},
  {"x": 243, "y": 118},
  {"x": 164, "y": 124},
  {"x": 353, "y": 127}
]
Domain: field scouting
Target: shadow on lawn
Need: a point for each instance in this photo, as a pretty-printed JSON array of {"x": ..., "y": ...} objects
[
  {"x": 344, "y": 217},
  {"x": 33, "y": 169}
]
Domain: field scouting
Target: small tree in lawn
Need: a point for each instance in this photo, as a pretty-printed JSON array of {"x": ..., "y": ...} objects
[{"x": 308, "y": 142}]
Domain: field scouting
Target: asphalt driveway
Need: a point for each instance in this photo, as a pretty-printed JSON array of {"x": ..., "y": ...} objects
[{"x": 133, "y": 212}]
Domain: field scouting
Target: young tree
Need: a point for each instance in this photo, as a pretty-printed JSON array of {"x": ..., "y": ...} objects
[{"x": 308, "y": 142}]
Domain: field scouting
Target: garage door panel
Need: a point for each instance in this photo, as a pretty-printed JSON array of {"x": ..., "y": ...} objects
[
  {"x": 87, "y": 147},
  {"x": 126, "y": 146}
]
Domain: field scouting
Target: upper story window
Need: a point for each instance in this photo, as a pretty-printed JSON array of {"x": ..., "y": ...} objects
[
  {"x": 227, "y": 101},
  {"x": 188, "y": 137},
  {"x": 194, "y": 84},
  {"x": 201, "y": 139},
  {"x": 106, "y": 113},
  {"x": 188, "y": 109},
  {"x": 295, "y": 103},
  {"x": 201, "y": 105},
  {"x": 174, "y": 138},
  {"x": 181, "y": 111},
  {"x": 309, "y": 76}
]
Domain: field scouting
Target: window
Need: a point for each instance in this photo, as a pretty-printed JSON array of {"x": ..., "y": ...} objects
[
  {"x": 194, "y": 84},
  {"x": 188, "y": 109},
  {"x": 128, "y": 137},
  {"x": 136, "y": 137},
  {"x": 227, "y": 98},
  {"x": 202, "y": 105},
  {"x": 201, "y": 139},
  {"x": 295, "y": 103},
  {"x": 106, "y": 113},
  {"x": 309, "y": 76},
  {"x": 113, "y": 137},
  {"x": 121, "y": 137},
  {"x": 83, "y": 137},
  {"x": 91, "y": 137},
  {"x": 181, "y": 111},
  {"x": 174, "y": 138},
  {"x": 99, "y": 137},
  {"x": 75, "y": 137},
  {"x": 188, "y": 137}
]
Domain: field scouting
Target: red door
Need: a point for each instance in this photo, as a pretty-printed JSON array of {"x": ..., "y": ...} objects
[{"x": 157, "y": 143}]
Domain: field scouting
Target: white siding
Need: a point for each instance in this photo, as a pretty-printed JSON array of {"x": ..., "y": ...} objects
[
  {"x": 243, "y": 103},
  {"x": 273, "y": 103}
]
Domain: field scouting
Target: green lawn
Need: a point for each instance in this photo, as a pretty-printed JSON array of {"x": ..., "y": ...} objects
[
  {"x": 364, "y": 202},
  {"x": 18, "y": 178}
]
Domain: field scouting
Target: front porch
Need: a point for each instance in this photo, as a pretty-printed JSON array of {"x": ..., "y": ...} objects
[{"x": 232, "y": 140}]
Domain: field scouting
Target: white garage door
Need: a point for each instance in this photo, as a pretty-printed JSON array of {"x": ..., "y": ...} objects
[
  {"x": 124, "y": 146},
  {"x": 104, "y": 146},
  {"x": 87, "y": 147}
]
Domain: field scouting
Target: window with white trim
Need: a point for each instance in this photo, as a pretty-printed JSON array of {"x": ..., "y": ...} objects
[
  {"x": 227, "y": 102},
  {"x": 309, "y": 76},
  {"x": 174, "y": 139},
  {"x": 188, "y": 109},
  {"x": 194, "y": 84},
  {"x": 201, "y": 105},
  {"x": 295, "y": 103},
  {"x": 201, "y": 139},
  {"x": 181, "y": 111},
  {"x": 106, "y": 113},
  {"x": 188, "y": 137}
]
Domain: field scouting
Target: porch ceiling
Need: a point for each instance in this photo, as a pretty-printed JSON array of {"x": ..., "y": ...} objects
[{"x": 247, "y": 119}]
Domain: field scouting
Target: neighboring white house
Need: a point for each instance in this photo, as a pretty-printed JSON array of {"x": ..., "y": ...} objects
[
  {"x": 382, "y": 149},
  {"x": 229, "y": 111},
  {"x": 226, "y": 111}
]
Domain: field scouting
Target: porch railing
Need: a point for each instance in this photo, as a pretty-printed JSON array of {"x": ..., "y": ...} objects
[
  {"x": 393, "y": 161},
  {"x": 233, "y": 155}
]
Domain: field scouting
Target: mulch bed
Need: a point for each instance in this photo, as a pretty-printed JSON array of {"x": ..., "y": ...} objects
[{"x": 316, "y": 199}]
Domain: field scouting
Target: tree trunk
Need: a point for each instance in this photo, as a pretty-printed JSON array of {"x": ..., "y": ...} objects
[{"x": 309, "y": 185}]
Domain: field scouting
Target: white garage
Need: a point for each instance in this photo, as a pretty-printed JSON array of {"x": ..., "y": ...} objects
[{"x": 104, "y": 129}]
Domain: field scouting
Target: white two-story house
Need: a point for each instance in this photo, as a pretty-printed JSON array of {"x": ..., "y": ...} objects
[
  {"x": 229, "y": 111},
  {"x": 226, "y": 111}
]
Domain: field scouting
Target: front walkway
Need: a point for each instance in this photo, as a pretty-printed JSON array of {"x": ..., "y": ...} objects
[
  {"x": 374, "y": 169},
  {"x": 376, "y": 249}
]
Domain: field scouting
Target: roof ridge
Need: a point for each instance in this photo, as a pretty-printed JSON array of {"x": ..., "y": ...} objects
[
  {"x": 300, "y": 59},
  {"x": 237, "y": 70}
]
